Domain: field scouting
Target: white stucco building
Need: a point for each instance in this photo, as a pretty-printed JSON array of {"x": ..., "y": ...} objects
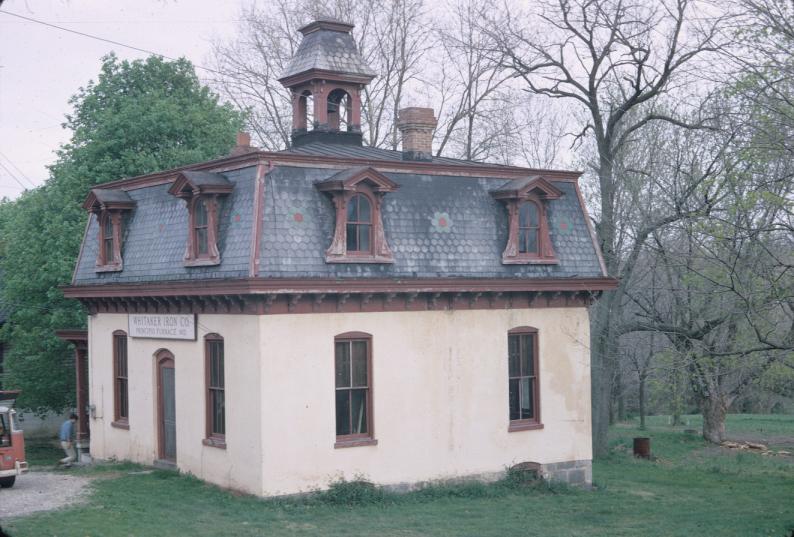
[{"x": 273, "y": 321}]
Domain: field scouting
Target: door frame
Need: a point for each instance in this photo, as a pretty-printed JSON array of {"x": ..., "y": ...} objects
[{"x": 163, "y": 358}]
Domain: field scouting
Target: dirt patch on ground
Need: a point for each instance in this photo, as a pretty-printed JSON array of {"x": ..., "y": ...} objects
[
  {"x": 42, "y": 491},
  {"x": 777, "y": 441}
]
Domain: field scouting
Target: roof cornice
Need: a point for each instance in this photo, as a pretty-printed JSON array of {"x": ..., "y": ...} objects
[
  {"x": 255, "y": 286},
  {"x": 280, "y": 158}
]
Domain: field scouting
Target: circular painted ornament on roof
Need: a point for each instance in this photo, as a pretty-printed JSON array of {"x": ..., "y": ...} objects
[
  {"x": 297, "y": 216},
  {"x": 441, "y": 222},
  {"x": 565, "y": 226}
]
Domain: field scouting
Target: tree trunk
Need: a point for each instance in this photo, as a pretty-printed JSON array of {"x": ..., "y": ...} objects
[
  {"x": 621, "y": 413},
  {"x": 603, "y": 348},
  {"x": 714, "y": 409},
  {"x": 642, "y": 402}
]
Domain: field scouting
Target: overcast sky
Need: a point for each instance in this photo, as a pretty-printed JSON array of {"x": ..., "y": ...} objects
[{"x": 41, "y": 67}]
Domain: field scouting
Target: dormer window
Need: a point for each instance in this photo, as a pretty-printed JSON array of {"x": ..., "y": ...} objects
[
  {"x": 109, "y": 207},
  {"x": 359, "y": 236},
  {"x": 528, "y": 240},
  {"x": 528, "y": 228},
  {"x": 359, "y": 225},
  {"x": 200, "y": 227},
  {"x": 202, "y": 192}
]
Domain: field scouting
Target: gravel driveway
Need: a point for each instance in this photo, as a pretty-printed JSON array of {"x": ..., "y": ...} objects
[{"x": 41, "y": 491}]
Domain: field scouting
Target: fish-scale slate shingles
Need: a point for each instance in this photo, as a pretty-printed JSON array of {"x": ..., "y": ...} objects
[
  {"x": 299, "y": 220},
  {"x": 436, "y": 226},
  {"x": 155, "y": 237},
  {"x": 329, "y": 51}
]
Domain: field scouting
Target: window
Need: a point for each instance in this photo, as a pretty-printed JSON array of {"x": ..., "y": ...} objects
[
  {"x": 528, "y": 228},
  {"x": 120, "y": 381},
  {"x": 359, "y": 224},
  {"x": 359, "y": 236},
  {"x": 200, "y": 227},
  {"x": 215, "y": 398},
  {"x": 109, "y": 206},
  {"x": 108, "y": 241},
  {"x": 353, "y": 386},
  {"x": 528, "y": 239},
  {"x": 202, "y": 192},
  {"x": 523, "y": 385}
]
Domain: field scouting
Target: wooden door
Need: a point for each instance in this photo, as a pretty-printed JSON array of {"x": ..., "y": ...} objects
[{"x": 166, "y": 407}]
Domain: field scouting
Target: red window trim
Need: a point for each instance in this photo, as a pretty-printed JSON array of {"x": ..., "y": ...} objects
[
  {"x": 212, "y": 256},
  {"x": 119, "y": 421},
  {"x": 368, "y": 438},
  {"x": 535, "y": 422},
  {"x": 211, "y": 438},
  {"x": 102, "y": 263},
  {"x": 374, "y": 185},
  {"x": 545, "y": 254}
]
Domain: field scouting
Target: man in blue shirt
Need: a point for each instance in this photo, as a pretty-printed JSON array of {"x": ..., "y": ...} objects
[{"x": 66, "y": 436}]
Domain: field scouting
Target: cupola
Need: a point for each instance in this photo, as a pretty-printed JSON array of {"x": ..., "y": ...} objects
[{"x": 326, "y": 77}]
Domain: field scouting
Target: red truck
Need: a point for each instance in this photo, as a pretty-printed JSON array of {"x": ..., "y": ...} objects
[{"x": 12, "y": 442}]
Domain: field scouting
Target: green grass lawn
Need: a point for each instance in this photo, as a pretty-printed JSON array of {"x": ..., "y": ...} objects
[{"x": 689, "y": 489}]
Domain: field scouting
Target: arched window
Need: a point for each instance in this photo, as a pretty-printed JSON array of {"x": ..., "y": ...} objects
[
  {"x": 201, "y": 228},
  {"x": 528, "y": 238},
  {"x": 339, "y": 110},
  {"x": 121, "y": 404},
  {"x": 359, "y": 224},
  {"x": 305, "y": 111},
  {"x": 353, "y": 386},
  {"x": 216, "y": 392},
  {"x": 523, "y": 378},
  {"x": 528, "y": 228}
]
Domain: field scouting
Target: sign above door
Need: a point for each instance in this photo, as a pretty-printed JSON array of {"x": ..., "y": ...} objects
[{"x": 162, "y": 326}]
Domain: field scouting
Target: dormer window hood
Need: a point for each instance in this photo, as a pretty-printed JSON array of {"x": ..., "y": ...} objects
[{"x": 326, "y": 77}]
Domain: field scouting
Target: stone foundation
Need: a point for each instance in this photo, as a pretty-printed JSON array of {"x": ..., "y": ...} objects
[{"x": 577, "y": 473}]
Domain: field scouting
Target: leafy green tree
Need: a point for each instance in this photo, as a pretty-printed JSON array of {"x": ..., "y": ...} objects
[{"x": 138, "y": 117}]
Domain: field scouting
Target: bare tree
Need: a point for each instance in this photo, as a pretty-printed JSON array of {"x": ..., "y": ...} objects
[
  {"x": 389, "y": 35},
  {"x": 614, "y": 59}
]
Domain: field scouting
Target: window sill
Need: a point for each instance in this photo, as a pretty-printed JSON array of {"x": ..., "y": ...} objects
[
  {"x": 359, "y": 259},
  {"x": 219, "y": 443},
  {"x": 355, "y": 442},
  {"x": 108, "y": 268},
  {"x": 530, "y": 261},
  {"x": 519, "y": 426},
  {"x": 121, "y": 424},
  {"x": 202, "y": 262}
]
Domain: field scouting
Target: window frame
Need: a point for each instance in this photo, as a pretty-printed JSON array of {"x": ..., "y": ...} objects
[
  {"x": 212, "y": 438},
  {"x": 342, "y": 188},
  {"x": 535, "y": 422},
  {"x": 116, "y": 263},
  {"x": 535, "y": 190},
  {"x": 120, "y": 421},
  {"x": 369, "y": 252},
  {"x": 193, "y": 258},
  {"x": 358, "y": 439}
]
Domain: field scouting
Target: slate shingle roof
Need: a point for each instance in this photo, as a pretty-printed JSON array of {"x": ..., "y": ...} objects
[
  {"x": 298, "y": 223},
  {"x": 155, "y": 237},
  {"x": 328, "y": 50}
]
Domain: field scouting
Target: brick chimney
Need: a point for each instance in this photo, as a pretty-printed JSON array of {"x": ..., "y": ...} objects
[
  {"x": 243, "y": 145},
  {"x": 416, "y": 126}
]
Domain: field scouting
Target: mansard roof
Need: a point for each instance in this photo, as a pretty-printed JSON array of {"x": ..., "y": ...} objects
[
  {"x": 443, "y": 222},
  {"x": 328, "y": 47}
]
